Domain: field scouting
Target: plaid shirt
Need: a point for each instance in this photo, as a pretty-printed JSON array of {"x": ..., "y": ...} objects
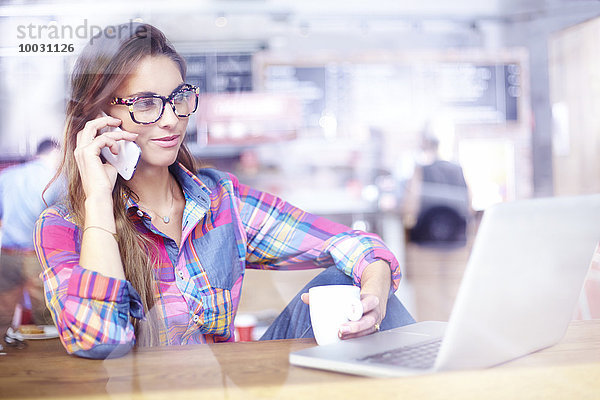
[{"x": 226, "y": 228}]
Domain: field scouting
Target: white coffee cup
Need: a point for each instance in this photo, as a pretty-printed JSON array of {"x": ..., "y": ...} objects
[{"x": 330, "y": 307}]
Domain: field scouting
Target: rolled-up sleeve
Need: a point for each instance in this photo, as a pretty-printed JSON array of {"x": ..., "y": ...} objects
[
  {"x": 281, "y": 236},
  {"x": 90, "y": 310}
]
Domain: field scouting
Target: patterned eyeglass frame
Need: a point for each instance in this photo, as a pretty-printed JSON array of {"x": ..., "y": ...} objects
[{"x": 129, "y": 102}]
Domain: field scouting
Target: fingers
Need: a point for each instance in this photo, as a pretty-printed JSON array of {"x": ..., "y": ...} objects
[
  {"x": 90, "y": 134},
  {"x": 98, "y": 178},
  {"x": 304, "y": 298},
  {"x": 367, "y": 324},
  {"x": 364, "y": 326},
  {"x": 111, "y": 139},
  {"x": 108, "y": 139},
  {"x": 369, "y": 302},
  {"x": 92, "y": 127}
]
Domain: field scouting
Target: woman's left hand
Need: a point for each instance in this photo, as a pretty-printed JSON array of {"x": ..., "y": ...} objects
[{"x": 374, "y": 292}]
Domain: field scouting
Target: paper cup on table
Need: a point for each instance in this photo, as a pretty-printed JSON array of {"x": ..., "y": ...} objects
[
  {"x": 244, "y": 327},
  {"x": 330, "y": 307}
]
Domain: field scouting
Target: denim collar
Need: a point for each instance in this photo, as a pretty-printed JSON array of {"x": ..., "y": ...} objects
[{"x": 193, "y": 188}]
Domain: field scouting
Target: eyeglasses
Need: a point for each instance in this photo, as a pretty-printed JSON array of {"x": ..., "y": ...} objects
[{"x": 148, "y": 109}]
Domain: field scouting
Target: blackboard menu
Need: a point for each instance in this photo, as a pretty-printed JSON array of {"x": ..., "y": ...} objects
[
  {"x": 217, "y": 73},
  {"x": 380, "y": 93},
  {"x": 220, "y": 72},
  {"x": 489, "y": 93}
]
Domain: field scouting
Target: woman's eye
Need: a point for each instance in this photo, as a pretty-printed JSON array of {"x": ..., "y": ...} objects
[{"x": 144, "y": 104}]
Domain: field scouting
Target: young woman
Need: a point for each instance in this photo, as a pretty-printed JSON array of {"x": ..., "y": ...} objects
[{"x": 160, "y": 259}]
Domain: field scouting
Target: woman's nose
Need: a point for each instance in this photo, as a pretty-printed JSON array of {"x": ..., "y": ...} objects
[{"x": 169, "y": 118}]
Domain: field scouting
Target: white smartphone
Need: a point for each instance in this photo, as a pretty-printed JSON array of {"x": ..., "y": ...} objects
[{"x": 126, "y": 161}]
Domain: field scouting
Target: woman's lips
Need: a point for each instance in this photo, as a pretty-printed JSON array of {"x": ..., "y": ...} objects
[{"x": 167, "y": 141}]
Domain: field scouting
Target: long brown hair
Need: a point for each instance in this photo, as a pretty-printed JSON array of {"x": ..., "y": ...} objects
[{"x": 104, "y": 64}]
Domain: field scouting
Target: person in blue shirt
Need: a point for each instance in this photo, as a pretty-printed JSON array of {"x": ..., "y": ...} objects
[{"x": 21, "y": 202}]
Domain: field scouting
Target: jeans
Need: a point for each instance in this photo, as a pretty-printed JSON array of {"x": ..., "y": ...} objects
[{"x": 294, "y": 320}]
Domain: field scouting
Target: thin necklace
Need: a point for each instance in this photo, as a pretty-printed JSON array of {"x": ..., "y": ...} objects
[{"x": 165, "y": 218}]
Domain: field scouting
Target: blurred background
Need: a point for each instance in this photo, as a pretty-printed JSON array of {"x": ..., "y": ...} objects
[{"x": 403, "y": 118}]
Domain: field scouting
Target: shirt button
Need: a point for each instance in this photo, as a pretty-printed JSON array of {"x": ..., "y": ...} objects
[
  {"x": 140, "y": 213},
  {"x": 196, "y": 318},
  {"x": 180, "y": 273}
]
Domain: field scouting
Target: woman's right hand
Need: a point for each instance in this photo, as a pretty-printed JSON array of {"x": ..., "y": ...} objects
[{"x": 97, "y": 178}]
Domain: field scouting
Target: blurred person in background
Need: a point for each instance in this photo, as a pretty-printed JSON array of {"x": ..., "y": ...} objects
[
  {"x": 21, "y": 203},
  {"x": 160, "y": 259},
  {"x": 436, "y": 205}
]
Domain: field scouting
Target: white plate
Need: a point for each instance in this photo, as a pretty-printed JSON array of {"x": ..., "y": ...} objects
[{"x": 50, "y": 332}]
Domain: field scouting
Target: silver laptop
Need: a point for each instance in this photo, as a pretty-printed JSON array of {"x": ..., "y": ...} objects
[{"x": 517, "y": 296}]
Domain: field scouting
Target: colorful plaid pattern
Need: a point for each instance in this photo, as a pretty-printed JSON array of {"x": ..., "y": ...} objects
[{"x": 226, "y": 228}]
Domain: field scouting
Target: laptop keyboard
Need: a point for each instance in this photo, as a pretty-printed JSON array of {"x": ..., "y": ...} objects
[{"x": 419, "y": 356}]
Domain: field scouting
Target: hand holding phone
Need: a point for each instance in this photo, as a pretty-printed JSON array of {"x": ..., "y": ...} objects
[{"x": 126, "y": 161}]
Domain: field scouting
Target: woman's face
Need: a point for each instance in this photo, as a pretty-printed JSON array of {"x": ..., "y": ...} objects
[{"x": 161, "y": 140}]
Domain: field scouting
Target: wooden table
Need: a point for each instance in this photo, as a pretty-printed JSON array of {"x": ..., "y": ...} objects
[{"x": 260, "y": 370}]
